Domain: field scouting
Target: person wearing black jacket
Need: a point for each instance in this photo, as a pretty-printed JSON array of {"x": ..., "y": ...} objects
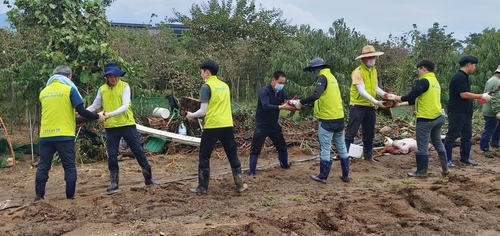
[{"x": 272, "y": 99}]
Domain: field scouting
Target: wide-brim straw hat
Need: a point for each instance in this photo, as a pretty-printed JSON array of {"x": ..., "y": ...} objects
[{"x": 369, "y": 51}]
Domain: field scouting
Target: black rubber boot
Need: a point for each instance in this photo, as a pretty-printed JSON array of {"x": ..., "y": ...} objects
[
  {"x": 445, "y": 171},
  {"x": 422, "y": 164},
  {"x": 283, "y": 158},
  {"x": 465, "y": 153},
  {"x": 39, "y": 191},
  {"x": 368, "y": 151},
  {"x": 324, "y": 171},
  {"x": 70, "y": 189},
  {"x": 252, "y": 164},
  {"x": 484, "y": 145},
  {"x": 344, "y": 164},
  {"x": 238, "y": 180},
  {"x": 449, "y": 154},
  {"x": 148, "y": 179},
  {"x": 114, "y": 177},
  {"x": 203, "y": 179}
]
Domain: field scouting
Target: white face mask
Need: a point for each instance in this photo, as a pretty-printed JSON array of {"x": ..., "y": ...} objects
[{"x": 370, "y": 62}]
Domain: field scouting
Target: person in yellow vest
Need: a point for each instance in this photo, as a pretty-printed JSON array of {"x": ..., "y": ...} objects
[
  {"x": 60, "y": 98},
  {"x": 364, "y": 89},
  {"x": 330, "y": 113},
  {"x": 426, "y": 95},
  {"x": 215, "y": 105},
  {"x": 114, "y": 97}
]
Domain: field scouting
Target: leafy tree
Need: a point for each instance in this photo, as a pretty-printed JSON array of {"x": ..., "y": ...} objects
[
  {"x": 238, "y": 36},
  {"x": 54, "y": 32},
  {"x": 486, "y": 47}
]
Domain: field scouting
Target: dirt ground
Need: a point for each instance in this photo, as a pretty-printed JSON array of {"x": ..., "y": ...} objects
[{"x": 379, "y": 200}]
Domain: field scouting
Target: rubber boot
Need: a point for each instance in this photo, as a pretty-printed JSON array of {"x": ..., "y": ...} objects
[
  {"x": 444, "y": 164},
  {"x": 368, "y": 150},
  {"x": 39, "y": 191},
  {"x": 114, "y": 175},
  {"x": 449, "y": 154},
  {"x": 70, "y": 189},
  {"x": 422, "y": 164},
  {"x": 344, "y": 164},
  {"x": 203, "y": 179},
  {"x": 324, "y": 170},
  {"x": 484, "y": 145},
  {"x": 148, "y": 178},
  {"x": 252, "y": 164},
  {"x": 283, "y": 158},
  {"x": 238, "y": 180},
  {"x": 465, "y": 153}
]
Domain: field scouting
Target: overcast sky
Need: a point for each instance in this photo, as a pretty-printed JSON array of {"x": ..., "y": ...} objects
[{"x": 376, "y": 20}]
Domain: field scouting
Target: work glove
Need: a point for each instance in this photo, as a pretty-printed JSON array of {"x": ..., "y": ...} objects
[
  {"x": 389, "y": 96},
  {"x": 498, "y": 116},
  {"x": 380, "y": 104},
  {"x": 298, "y": 105},
  {"x": 189, "y": 115},
  {"x": 486, "y": 97}
]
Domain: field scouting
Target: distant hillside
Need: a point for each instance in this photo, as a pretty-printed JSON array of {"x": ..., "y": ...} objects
[{"x": 3, "y": 22}]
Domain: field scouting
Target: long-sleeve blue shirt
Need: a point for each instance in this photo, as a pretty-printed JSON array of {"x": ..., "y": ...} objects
[{"x": 268, "y": 107}]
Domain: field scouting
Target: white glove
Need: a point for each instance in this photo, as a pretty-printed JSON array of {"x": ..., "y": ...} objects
[
  {"x": 298, "y": 105},
  {"x": 189, "y": 115},
  {"x": 380, "y": 104},
  {"x": 486, "y": 97},
  {"x": 391, "y": 96}
]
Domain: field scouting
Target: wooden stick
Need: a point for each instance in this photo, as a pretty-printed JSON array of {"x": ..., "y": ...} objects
[{"x": 8, "y": 141}]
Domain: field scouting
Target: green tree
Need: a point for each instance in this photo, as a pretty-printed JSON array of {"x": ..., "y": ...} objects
[
  {"x": 237, "y": 35},
  {"x": 54, "y": 32}
]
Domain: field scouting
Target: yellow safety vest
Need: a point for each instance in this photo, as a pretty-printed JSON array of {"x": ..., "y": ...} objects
[
  {"x": 112, "y": 100},
  {"x": 370, "y": 81},
  {"x": 58, "y": 114},
  {"x": 329, "y": 104},
  {"x": 428, "y": 104},
  {"x": 219, "y": 113}
]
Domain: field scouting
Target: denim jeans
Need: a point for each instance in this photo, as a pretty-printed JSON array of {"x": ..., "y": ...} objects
[
  {"x": 491, "y": 130},
  {"x": 325, "y": 141},
  {"x": 429, "y": 129}
]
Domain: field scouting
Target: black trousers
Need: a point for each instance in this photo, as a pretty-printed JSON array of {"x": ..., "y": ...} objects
[
  {"x": 66, "y": 151},
  {"x": 260, "y": 135},
  {"x": 131, "y": 136},
  {"x": 459, "y": 125},
  {"x": 208, "y": 139},
  {"x": 364, "y": 116}
]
